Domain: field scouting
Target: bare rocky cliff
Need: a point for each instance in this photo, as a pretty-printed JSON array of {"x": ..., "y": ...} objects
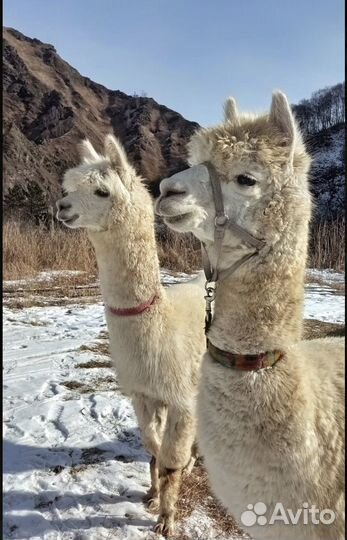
[{"x": 49, "y": 107}]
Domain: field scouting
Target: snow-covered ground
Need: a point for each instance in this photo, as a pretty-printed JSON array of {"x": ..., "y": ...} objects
[
  {"x": 74, "y": 466},
  {"x": 324, "y": 296}
]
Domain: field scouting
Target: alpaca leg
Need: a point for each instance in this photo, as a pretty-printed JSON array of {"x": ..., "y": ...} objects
[
  {"x": 151, "y": 416},
  {"x": 151, "y": 499},
  {"x": 170, "y": 482},
  {"x": 195, "y": 456},
  {"x": 175, "y": 455}
]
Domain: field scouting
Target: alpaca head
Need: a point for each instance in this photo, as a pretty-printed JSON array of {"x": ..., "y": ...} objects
[
  {"x": 262, "y": 166},
  {"x": 98, "y": 189}
]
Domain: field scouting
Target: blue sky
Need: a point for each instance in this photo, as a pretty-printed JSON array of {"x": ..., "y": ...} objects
[{"x": 191, "y": 54}]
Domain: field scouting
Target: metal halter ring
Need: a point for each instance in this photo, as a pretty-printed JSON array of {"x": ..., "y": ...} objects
[
  {"x": 210, "y": 292},
  {"x": 221, "y": 220}
]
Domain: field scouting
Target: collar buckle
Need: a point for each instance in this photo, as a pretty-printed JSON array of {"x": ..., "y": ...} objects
[{"x": 221, "y": 221}]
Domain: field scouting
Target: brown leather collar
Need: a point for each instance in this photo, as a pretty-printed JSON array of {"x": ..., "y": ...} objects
[{"x": 244, "y": 362}]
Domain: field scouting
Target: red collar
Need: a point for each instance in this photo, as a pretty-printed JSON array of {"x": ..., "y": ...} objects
[{"x": 137, "y": 310}]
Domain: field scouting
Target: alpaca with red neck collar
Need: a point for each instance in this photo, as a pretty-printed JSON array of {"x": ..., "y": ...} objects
[
  {"x": 156, "y": 334},
  {"x": 270, "y": 406}
]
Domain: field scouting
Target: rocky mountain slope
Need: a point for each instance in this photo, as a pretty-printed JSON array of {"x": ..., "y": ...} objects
[{"x": 49, "y": 107}]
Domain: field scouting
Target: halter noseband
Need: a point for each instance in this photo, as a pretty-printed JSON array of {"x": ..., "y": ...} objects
[{"x": 221, "y": 223}]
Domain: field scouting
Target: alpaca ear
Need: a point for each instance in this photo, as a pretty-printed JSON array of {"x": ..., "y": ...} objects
[
  {"x": 114, "y": 151},
  {"x": 282, "y": 117},
  {"x": 230, "y": 112},
  {"x": 87, "y": 152}
]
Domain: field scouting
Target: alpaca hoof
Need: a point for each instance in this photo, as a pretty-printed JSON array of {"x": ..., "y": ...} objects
[
  {"x": 165, "y": 526},
  {"x": 151, "y": 501},
  {"x": 152, "y": 505}
]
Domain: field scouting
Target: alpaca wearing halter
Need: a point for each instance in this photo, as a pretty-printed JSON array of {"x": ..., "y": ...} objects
[{"x": 270, "y": 406}]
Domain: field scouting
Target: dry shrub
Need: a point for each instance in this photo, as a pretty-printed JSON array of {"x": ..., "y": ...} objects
[
  {"x": 179, "y": 252},
  {"x": 327, "y": 245},
  {"x": 29, "y": 249},
  {"x": 314, "y": 329}
]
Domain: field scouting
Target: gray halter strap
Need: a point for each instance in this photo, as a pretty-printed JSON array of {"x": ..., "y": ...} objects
[{"x": 221, "y": 223}]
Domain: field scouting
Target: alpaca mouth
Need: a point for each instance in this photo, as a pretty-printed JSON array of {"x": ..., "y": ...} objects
[
  {"x": 171, "y": 212},
  {"x": 176, "y": 219},
  {"x": 69, "y": 221}
]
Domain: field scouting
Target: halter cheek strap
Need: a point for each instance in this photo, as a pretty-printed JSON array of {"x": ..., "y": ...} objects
[{"x": 221, "y": 223}]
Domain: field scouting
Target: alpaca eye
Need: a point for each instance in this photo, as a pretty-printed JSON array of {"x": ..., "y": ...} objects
[
  {"x": 101, "y": 193},
  {"x": 244, "y": 180},
  {"x": 64, "y": 192}
]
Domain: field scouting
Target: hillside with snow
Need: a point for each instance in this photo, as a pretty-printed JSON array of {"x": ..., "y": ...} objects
[
  {"x": 327, "y": 174},
  {"x": 322, "y": 122}
]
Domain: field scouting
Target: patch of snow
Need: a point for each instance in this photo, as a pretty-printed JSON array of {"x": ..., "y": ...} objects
[
  {"x": 43, "y": 276},
  {"x": 326, "y": 275},
  {"x": 201, "y": 527},
  {"x": 74, "y": 466},
  {"x": 51, "y": 274},
  {"x": 322, "y": 304},
  {"x": 167, "y": 277}
]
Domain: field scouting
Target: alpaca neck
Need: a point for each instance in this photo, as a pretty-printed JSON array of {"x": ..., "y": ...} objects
[
  {"x": 259, "y": 308},
  {"x": 128, "y": 265}
]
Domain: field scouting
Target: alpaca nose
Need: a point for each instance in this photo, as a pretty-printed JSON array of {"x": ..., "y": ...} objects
[{"x": 63, "y": 205}]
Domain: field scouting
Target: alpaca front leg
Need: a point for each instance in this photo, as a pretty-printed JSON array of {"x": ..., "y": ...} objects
[
  {"x": 175, "y": 455},
  {"x": 151, "y": 417},
  {"x": 151, "y": 499}
]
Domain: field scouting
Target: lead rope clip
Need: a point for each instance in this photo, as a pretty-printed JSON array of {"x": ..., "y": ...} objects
[{"x": 209, "y": 298}]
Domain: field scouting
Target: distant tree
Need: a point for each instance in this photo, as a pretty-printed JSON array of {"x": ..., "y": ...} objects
[{"x": 324, "y": 109}]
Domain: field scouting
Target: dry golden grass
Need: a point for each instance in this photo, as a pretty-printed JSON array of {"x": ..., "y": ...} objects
[
  {"x": 29, "y": 249},
  {"x": 101, "y": 347},
  {"x": 101, "y": 384},
  {"x": 318, "y": 329},
  {"x": 179, "y": 252}
]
